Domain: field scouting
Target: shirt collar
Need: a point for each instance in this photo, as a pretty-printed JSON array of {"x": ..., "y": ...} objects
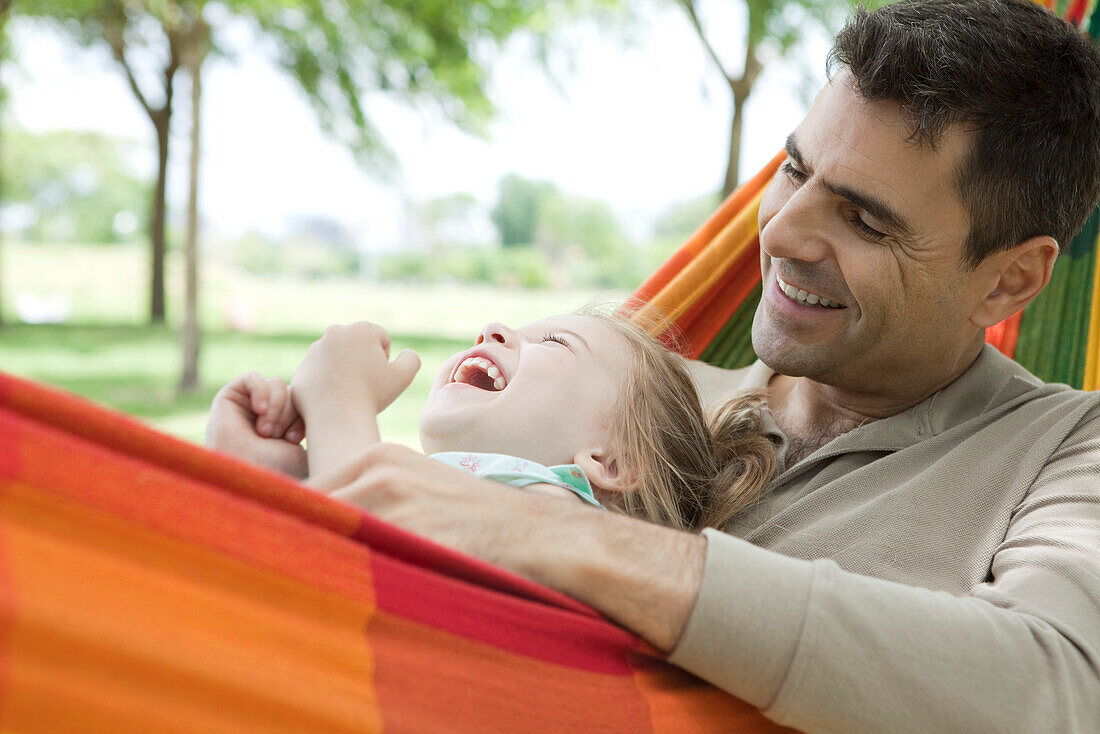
[{"x": 992, "y": 379}]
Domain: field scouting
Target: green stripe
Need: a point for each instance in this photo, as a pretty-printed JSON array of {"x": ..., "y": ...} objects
[
  {"x": 1094, "y": 23},
  {"x": 731, "y": 347},
  {"x": 1054, "y": 330}
]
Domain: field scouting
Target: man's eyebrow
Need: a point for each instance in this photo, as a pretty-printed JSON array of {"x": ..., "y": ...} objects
[
  {"x": 878, "y": 208},
  {"x": 791, "y": 147}
]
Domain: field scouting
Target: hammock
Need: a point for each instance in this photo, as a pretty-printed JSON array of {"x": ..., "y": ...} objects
[{"x": 149, "y": 585}]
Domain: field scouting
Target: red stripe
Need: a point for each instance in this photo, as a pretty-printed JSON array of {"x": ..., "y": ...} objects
[
  {"x": 9, "y": 443},
  {"x": 1005, "y": 334},
  {"x": 391, "y": 540},
  {"x": 518, "y": 625},
  {"x": 1076, "y": 12}
]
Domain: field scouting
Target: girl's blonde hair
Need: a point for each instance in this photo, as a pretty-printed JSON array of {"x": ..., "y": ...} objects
[{"x": 693, "y": 468}]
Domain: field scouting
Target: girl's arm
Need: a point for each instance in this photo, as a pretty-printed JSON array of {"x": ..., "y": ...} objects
[{"x": 345, "y": 381}]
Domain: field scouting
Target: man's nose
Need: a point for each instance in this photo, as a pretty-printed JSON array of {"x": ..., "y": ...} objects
[
  {"x": 792, "y": 225},
  {"x": 494, "y": 332}
]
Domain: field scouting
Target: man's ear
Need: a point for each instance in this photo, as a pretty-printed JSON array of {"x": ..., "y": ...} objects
[
  {"x": 1016, "y": 277},
  {"x": 605, "y": 471}
]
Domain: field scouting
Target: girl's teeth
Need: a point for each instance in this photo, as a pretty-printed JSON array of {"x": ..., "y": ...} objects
[
  {"x": 498, "y": 383},
  {"x": 493, "y": 372}
]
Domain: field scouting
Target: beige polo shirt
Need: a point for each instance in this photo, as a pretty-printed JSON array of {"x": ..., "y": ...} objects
[{"x": 936, "y": 571}]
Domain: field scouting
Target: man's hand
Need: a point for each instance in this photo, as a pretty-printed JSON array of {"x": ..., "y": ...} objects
[
  {"x": 350, "y": 366},
  {"x": 253, "y": 418},
  {"x": 643, "y": 576}
]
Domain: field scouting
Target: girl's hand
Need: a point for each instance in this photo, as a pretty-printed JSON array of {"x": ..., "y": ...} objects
[
  {"x": 254, "y": 419},
  {"x": 348, "y": 370}
]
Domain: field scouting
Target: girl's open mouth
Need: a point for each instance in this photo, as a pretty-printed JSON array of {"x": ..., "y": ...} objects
[{"x": 479, "y": 372}]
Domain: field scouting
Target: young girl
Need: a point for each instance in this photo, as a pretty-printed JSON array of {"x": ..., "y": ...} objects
[{"x": 580, "y": 404}]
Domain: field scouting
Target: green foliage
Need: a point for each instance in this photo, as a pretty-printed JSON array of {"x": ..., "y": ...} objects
[
  {"x": 679, "y": 220},
  {"x": 537, "y": 212},
  {"x": 307, "y": 258},
  {"x": 77, "y": 186},
  {"x": 620, "y": 267},
  {"x": 522, "y": 267},
  {"x": 516, "y": 214},
  {"x": 566, "y": 222}
]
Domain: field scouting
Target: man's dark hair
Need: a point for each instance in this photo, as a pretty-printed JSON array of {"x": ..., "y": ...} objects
[{"x": 1026, "y": 82}]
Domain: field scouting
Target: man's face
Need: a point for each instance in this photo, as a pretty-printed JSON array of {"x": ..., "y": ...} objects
[{"x": 870, "y": 221}]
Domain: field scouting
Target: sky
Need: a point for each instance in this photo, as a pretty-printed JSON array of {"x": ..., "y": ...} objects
[{"x": 641, "y": 123}]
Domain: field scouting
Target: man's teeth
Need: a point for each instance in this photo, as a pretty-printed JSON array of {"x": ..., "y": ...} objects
[
  {"x": 803, "y": 297},
  {"x": 483, "y": 365}
]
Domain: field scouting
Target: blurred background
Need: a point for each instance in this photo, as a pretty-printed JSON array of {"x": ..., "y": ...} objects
[{"x": 192, "y": 190}]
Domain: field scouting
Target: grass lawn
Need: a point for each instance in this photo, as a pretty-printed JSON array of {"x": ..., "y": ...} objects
[
  {"x": 106, "y": 353},
  {"x": 135, "y": 369}
]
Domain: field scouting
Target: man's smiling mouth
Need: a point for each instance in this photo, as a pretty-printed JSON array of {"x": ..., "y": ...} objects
[
  {"x": 804, "y": 297},
  {"x": 480, "y": 373}
]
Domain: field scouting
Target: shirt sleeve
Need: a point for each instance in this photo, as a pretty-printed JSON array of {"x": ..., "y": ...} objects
[{"x": 824, "y": 650}]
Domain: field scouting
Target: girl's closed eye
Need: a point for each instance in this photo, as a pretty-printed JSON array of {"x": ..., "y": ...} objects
[{"x": 555, "y": 338}]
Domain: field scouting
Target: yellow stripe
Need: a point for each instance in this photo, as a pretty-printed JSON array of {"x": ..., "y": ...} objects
[
  {"x": 1092, "y": 351},
  {"x": 703, "y": 272}
]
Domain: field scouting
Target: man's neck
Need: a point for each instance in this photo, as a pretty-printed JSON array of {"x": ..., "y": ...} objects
[{"x": 811, "y": 414}]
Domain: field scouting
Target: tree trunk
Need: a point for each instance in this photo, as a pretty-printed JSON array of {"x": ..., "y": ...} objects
[
  {"x": 190, "y": 337},
  {"x": 157, "y": 223},
  {"x": 733, "y": 167}
]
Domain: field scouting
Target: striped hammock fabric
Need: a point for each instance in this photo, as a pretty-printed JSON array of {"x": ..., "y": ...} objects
[{"x": 148, "y": 585}]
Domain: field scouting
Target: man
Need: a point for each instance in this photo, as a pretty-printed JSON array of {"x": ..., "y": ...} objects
[{"x": 929, "y": 559}]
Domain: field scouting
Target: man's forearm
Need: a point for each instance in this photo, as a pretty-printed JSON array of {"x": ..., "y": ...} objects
[{"x": 643, "y": 576}]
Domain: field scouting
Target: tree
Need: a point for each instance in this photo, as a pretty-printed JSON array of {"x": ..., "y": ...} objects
[
  {"x": 772, "y": 29},
  {"x": 132, "y": 30},
  {"x": 574, "y": 222},
  {"x": 338, "y": 53},
  {"x": 516, "y": 214},
  {"x": 73, "y": 185},
  {"x": 194, "y": 46}
]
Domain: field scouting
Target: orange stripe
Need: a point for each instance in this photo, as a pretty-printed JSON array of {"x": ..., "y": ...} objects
[
  {"x": 479, "y": 688},
  {"x": 687, "y": 325},
  {"x": 181, "y": 508},
  {"x": 121, "y": 629},
  {"x": 730, "y": 208},
  {"x": 747, "y": 278},
  {"x": 676, "y": 697},
  {"x": 123, "y": 434},
  {"x": 695, "y": 280}
]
